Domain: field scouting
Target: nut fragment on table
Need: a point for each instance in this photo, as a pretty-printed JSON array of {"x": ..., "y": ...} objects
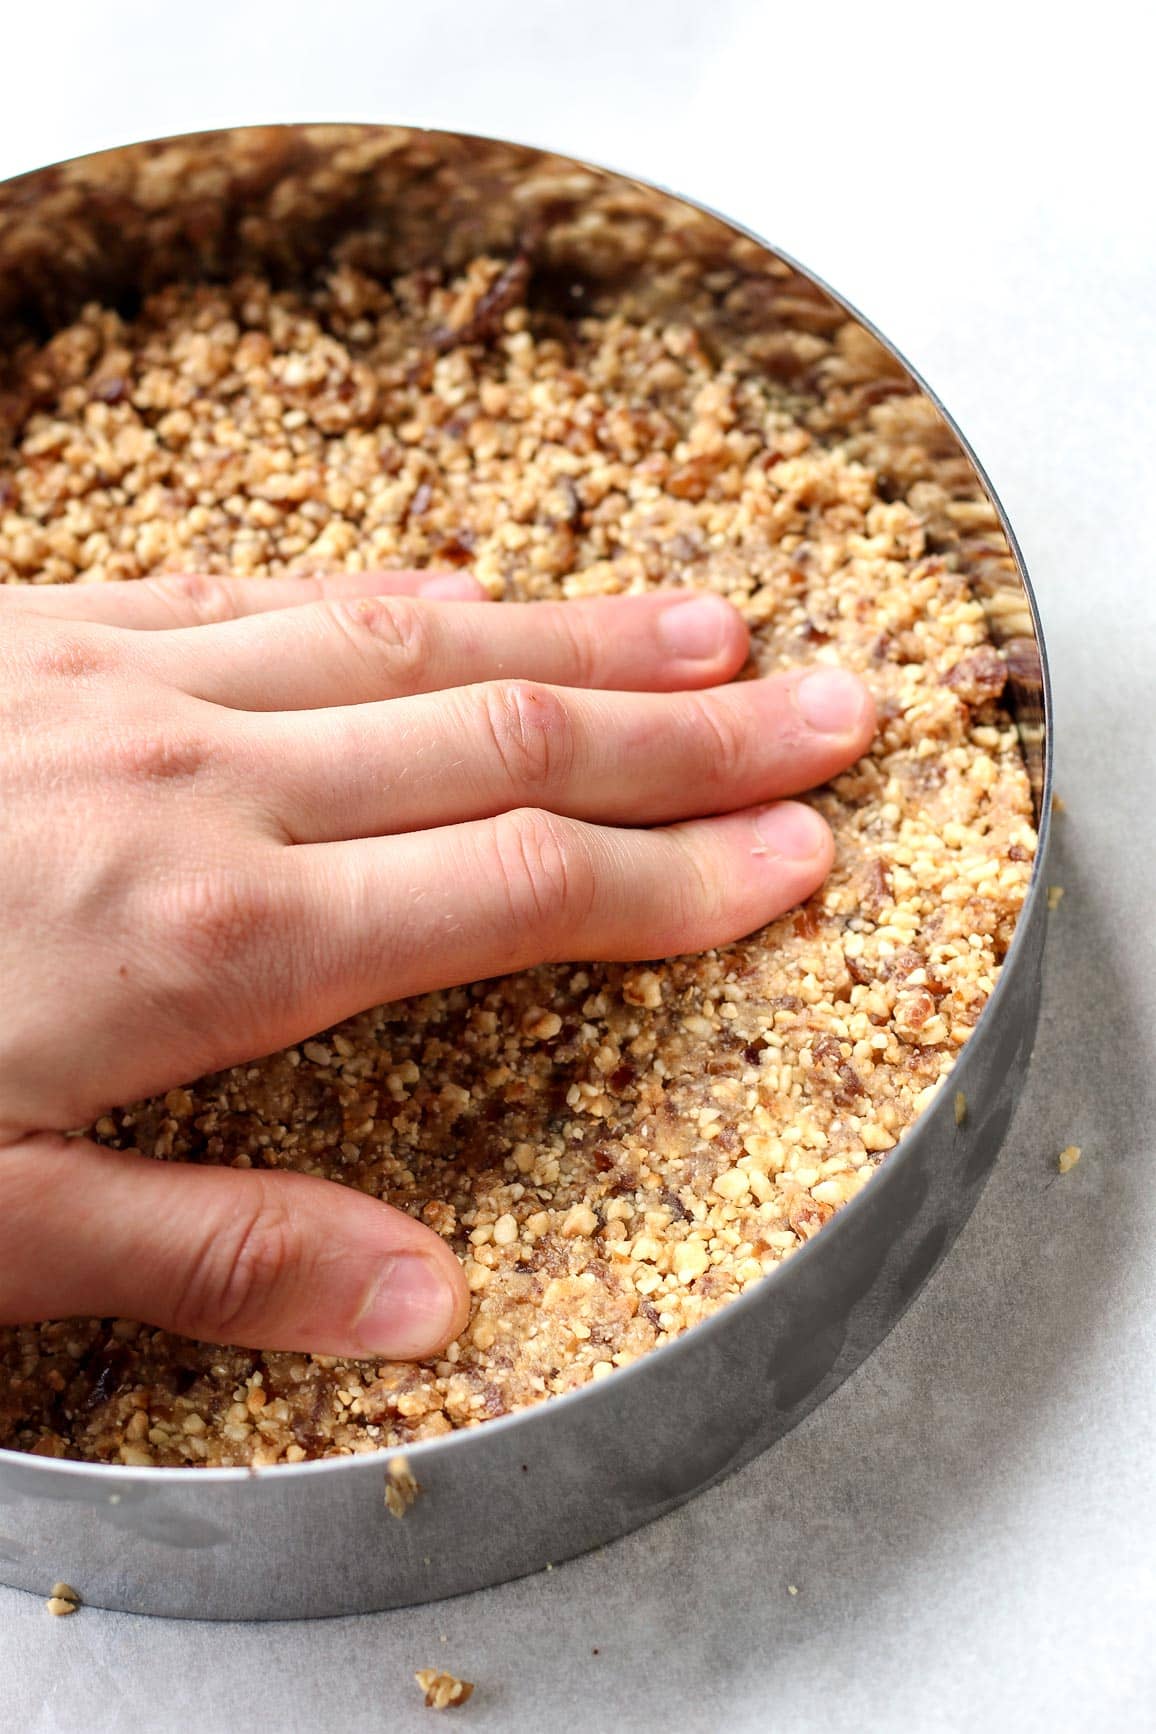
[{"x": 443, "y": 1691}]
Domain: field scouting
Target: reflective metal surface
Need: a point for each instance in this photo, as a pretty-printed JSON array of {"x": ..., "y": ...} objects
[{"x": 538, "y": 1487}]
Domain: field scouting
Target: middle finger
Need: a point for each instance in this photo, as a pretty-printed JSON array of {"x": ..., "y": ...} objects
[{"x": 617, "y": 758}]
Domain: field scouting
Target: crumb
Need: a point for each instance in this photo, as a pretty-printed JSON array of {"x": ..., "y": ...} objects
[
  {"x": 1068, "y": 1158},
  {"x": 63, "y": 1600},
  {"x": 792, "y": 1589},
  {"x": 1059, "y": 805},
  {"x": 960, "y": 1107},
  {"x": 443, "y": 1691},
  {"x": 1055, "y": 895},
  {"x": 401, "y": 1489}
]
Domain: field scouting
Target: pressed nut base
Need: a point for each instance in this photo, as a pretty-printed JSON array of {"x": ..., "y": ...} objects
[{"x": 614, "y": 1151}]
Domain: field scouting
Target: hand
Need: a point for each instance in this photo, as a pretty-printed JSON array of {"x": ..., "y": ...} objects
[{"x": 234, "y": 813}]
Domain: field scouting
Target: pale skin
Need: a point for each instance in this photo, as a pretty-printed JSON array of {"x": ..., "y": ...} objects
[{"x": 235, "y": 812}]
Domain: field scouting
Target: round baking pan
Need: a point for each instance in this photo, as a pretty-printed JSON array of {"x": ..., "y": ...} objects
[{"x": 536, "y": 1487}]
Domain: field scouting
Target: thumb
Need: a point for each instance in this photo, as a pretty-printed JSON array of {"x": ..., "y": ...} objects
[{"x": 265, "y": 1261}]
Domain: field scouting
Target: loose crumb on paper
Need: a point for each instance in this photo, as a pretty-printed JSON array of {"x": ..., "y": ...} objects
[
  {"x": 1059, "y": 805},
  {"x": 443, "y": 1691},
  {"x": 960, "y": 1107},
  {"x": 1055, "y": 896},
  {"x": 1068, "y": 1158},
  {"x": 63, "y": 1600}
]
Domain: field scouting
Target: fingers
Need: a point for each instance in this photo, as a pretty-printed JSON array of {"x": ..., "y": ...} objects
[
  {"x": 353, "y": 651},
  {"x": 270, "y": 1261},
  {"x": 407, "y": 914},
  {"x": 618, "y": 758},
  {"x": 191, "y": 599}
]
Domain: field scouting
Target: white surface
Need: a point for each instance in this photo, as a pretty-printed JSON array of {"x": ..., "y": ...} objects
[{"x": 971, "y": 1521}]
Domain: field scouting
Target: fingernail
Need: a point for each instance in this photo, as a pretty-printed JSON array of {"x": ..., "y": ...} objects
[
  {"x": 695, "y": 630},
  {"x": 830, "y": 700},
  {"x": 451, "y": 587},
  {"x": 411, "y": 1312},
  {"x": 791, "y": 831}
]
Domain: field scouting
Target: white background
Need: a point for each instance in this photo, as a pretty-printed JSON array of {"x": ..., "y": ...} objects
[{"x": 972, "y": 1520}]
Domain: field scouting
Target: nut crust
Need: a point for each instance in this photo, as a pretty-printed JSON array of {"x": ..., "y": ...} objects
[{"x": 614, "y": 1151}]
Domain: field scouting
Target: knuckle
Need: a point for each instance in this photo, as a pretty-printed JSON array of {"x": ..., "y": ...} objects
[
  {"x": 208, "y": 919},
  {"x": 531, "y": 733},
  {"x": 715, "y": 726},
  {"x": 152, "y": 756},
  {"x": 70, "y": 652},
  {"x": 195, "y": 598},
  {"x": 582, "y": 650},
  {"x": 545, "y": 871},
  {"x": 236, "y": 1269},
  {"x": 698, "y": 899},
  {"x": 384, "y": 630}
]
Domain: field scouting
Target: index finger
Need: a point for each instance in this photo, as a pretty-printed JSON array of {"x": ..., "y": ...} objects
[{"x": 182, "y": 599}]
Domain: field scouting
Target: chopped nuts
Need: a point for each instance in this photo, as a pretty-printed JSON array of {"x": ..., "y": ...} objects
[
  {"x": 689, "y": 1259},
  {"x": 615, "y": 1152},
  {"x": 506, "y": 1230},
  {"x": 443, "y": 1691},
  {"x": 732, "y": 1184},
  {"x": 642, "y": 987},
  {"x": 1068, "y": 1158},
  {"x": 580, "y": 1219}
]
